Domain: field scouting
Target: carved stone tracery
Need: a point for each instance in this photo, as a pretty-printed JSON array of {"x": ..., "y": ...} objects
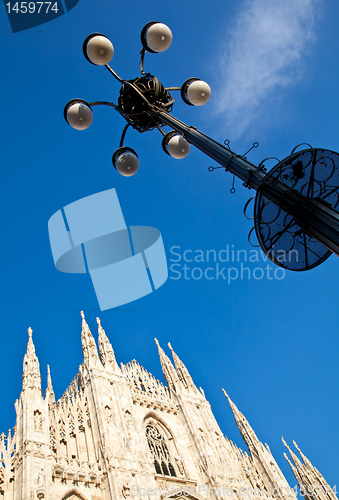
[{"x": 159, "y": 451}]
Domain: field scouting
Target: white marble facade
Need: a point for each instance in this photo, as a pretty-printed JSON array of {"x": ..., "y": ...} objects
[{"x": 118, "y": 433}]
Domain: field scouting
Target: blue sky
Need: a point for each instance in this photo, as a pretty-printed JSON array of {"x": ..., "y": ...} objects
[{"x": 274, "y": 73}]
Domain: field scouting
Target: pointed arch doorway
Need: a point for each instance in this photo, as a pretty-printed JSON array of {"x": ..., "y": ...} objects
[
  {"x": 184, "y": 494},
  {"x": 73, "y": 495}
]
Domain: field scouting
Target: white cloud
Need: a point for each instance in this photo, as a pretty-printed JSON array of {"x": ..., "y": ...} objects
[{"x": 263, "y": 53}]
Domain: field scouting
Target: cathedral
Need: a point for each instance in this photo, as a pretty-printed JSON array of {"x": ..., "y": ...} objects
[{"x": 118, "y": 433}]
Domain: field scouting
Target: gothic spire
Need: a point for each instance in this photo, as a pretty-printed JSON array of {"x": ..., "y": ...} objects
[
  {"x": 291, "y": 465},
  {"x": 295, "y": 459},
  {"x": 49, "y": 392},
  {"x": 244, "y": 427},
  {"x": 183, "y": 374},
  {"x": 305, "y": 459},
  {"x": 309, "y": 478},
  {"x": 294, "y": 469},
  {"x": 105, "y": 348},
  {"x": 89, "y": 347},
  {"x": 168, "y": 369},
  {"x": 232, "y": 405},
  {"x": 31, "y": 378},
  {"x": 260, "y": 454}
]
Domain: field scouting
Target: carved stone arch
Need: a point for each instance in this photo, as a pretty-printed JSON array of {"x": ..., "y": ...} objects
[
  {"x": 73, "y": 494},
  {"x": 183, "y": 494},
  {"x": 58, "y": 471},
  {"x": 158, "y": 421}
]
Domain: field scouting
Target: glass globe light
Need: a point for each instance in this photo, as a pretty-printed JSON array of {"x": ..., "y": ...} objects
[
  {"x": 126, "y": 161},
  {"x": 78, "y": 114},
  {"x": 198, "y": 92},
  {"x": 158, "y": 37},
  {"x": 178, "y": 147},
  {"x": 98, "y": 49},
  {"x": 195, "y": 92}
]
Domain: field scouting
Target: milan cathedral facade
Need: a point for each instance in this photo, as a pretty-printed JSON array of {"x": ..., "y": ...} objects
[{"x": 118, "y": 433}]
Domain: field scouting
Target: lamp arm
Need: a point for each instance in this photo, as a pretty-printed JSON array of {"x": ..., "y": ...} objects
[
  {"x": 103, "y": 103},
  {"x": 112, "y": 105},
  {"x": 123, "y": 135},
  {"x": 142, "y": 56},
  {"x": 117, "y": 77}
]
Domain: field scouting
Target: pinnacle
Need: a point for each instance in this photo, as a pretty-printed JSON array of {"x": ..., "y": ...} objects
[
  {"x": 289, "y": 461},
  {"x": 49, "y": 380},
  {"x": 283, "y": 440},
  {"x": 84, "y": 325},
  {"x": 175, "y": 357},
  {"x": 101, "y": 331},
  {"x": 31, "y": 370},
  {"x": 289, "y": 449},
  {"x": 223, "y": 390},
  {"x": 297, "y": 447}
]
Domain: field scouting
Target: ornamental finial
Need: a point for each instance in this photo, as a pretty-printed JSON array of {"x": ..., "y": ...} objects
[
  {"x": 82, "y": 314},
  {"x": 283, "y": 440},
  {"x": 30, "y": 331},
  {"x": 223, "y": 390},
  {"x": 295, "y": 444}
]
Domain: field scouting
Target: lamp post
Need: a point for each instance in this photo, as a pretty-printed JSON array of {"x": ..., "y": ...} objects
[{"x": 296, "y": 216}]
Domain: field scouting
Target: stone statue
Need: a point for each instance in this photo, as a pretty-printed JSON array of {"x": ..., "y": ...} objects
[
  {"x": 41, "y": 478},
  {"x": 37, "y": 421}
]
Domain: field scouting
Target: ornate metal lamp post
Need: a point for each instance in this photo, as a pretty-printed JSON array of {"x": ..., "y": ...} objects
[{"x": 296, "y": 216}]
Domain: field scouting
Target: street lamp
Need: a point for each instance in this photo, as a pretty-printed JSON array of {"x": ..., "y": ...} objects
[
  {"x": 138, "y": 96},
  {"x": 296, "y": 216}
]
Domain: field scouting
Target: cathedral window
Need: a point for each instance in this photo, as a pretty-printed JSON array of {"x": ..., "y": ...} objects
[
  {"x": 142, "y": 385},
  {"x": 63, "y": 448},
  {"x": 73, "y": 445},
  {"x": 159, "y": 451}
]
